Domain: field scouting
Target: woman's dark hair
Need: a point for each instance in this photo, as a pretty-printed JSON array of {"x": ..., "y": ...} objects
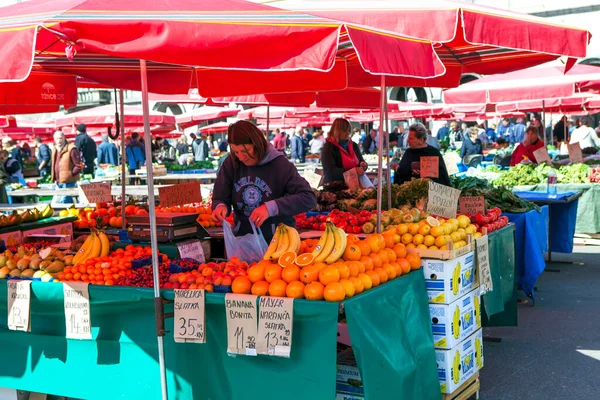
[
  {"x": 244, "y": 132},
  {"x": 339, "y": 126}
]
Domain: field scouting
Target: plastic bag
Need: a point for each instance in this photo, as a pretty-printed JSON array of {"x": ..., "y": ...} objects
[{"x": 249, "y": 248}]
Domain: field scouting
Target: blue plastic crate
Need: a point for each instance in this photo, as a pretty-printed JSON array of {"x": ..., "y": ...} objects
[
  {"x": 316, "y": 213},
  {"x": 138, "y": 263},
  {"x": 222, "y": 288},
  {"x": 174, "y": 267}
]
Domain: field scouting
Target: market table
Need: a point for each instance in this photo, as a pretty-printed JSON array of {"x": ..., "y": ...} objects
[
  {"x": 122, "y": 359},
  {"x": 531, "y": 244},
  {"x": 561, "y": 218}
]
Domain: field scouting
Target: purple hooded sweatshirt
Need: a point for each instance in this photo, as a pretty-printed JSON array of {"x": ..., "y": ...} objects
[{"x": 274, "y": 182}]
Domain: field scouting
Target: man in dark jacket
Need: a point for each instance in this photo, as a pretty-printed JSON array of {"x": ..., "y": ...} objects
[
  {"x": 370, "y": 143},
  {"x": 87, "y": 149},
  {"x": 44, "y": 157},
  {"x": 107, "y": 152}
]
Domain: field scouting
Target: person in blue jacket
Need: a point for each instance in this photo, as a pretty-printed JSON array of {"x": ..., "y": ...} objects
[
  {"x": 136, "y": 157},
  {"x": 517, "y": 134},
  {"x": 472, "y": 144},
  {"x": 107, "y": 152},
  {"x": 297, "y": 146}
]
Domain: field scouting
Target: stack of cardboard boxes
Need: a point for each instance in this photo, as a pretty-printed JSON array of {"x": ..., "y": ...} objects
[{"x": 454, "y": 306}]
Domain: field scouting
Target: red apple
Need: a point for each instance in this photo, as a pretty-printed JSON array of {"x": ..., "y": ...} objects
[
  {"x": 185, "y": 286},
  {"x": 176, "y": 285}
]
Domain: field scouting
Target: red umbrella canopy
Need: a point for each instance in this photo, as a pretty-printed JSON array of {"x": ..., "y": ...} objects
[
  {"x": 203, "y": 114},
  {"x": 218, "y": 127},
  {"x": 577, "y": 103},
  {"x": 104, "y": 116},
  {"x": 529, "y": 84}
]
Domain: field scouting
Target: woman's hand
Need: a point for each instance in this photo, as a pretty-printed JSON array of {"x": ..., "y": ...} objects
[
  {"x": 259, "y": 215},
  {"x": 364, "y": 166},
  {"x": 220, "y": 213}
]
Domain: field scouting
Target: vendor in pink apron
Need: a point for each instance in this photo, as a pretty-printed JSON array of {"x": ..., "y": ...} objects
[{"x": 340, "y": 154}]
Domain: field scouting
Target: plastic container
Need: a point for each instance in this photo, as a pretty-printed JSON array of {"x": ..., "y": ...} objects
[
  {"x": 175, "y": 268},
  {"x": 222, "y": 288},
  {"x": 138, "y": 263},
  {"x": 552, "y": 178}
]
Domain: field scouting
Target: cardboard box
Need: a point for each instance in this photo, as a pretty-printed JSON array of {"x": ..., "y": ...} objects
[
  {"x": 58, "y": 229},
  {"x": 12, "y": 238},
  {"x": 460, "y": 363},
  {"x": 449, "y": 280},
  {"x": 348, "y": 383},
  {"x": 452, "y": 323},
  {"x": 48, "y": 238}
]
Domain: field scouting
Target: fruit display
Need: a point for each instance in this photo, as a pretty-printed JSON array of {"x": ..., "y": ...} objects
[
  {"x": 203, "y": 209},
  {"x": 209, "y": 275},
  {"x": 595, "y": 175},
  {"x": 491, "y": 221},
  {"x": 103, "y": 216},
  {"x": 531, "y": 174},
  {"x": 16, "y": 217},
  {"x": 95, "y": 245},
  {"x": 27, "y": 263}
]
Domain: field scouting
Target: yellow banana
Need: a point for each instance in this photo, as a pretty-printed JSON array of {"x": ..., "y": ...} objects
[
  {"x": 84, "y": 249},
  {"x": 294, "y": 238},
  {"x": 456, "y": 370},
  {"x": 96, "y": 248},
  {"x": 328, "y": 248},
  {"x": 273, "y": 245},
  {"x": 284, "y": 243},
  {"x": 105, "y": 248},
  {"x": 319, "y": 247},
  {"x": 456, "y": 323},
  {"x": 339, "y": 245}
]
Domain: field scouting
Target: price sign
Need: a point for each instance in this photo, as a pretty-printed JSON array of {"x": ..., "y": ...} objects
[
  {"x": 471, "y": 205},
  {"x": 19, "y": 296},
  {"x": 191, "y": 249},
  {"x": 351, "y": 179},
  {"x": 178, "y": 195},
  {"x": 430, "y": 167},
  {"x": 313, "y": 179},
  {"x": 541, "y": 155},
  {"x": 95, "y": 193},
  {"x": 575, "y": 154},
  {"x": 189, "y": 319},
  {"x": 275, "y": 320},
  {"x": 241, "y": 323},
  {"x": 77, "y": 310},
  {"x": 483, "y": 265},
  {"x": 442, "y": 200}
]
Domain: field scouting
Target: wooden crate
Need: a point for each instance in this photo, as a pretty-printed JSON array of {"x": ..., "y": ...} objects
[{"x": 466, "y": 391}]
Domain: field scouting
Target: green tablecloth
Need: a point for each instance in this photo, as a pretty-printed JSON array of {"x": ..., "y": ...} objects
[
  {"x": 588, "y": 209},
  {"x": 122, "y": 360},
  {"x": 38, "y": 224}
]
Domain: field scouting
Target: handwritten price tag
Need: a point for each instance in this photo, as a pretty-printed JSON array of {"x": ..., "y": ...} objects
[
  {"x": 442, "y": 200},
  {"x": 241, "y": 323},
  {"x": 191, "y": 249},
  {"x": 471, "y": 205},
  {"x": 77, "y": 310},
  {"x": 313, "y": 179},
  {"x": 483, "y": 265},
  {"x": 189, "y": 319},
  {"x": 351, "y": 179},
  {"x": 275, "y": 321},
  {"x": 541, "y": 155},
  {"x": 178, "y": 195},
  {"x": 96, "y": 193},
  {"x": 575, "y": 153},
  {"x": 19, "y": 296},
  {"x": 430, "y": 167}
]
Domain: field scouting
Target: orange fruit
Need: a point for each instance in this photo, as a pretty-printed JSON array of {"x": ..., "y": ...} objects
[
  {"x": 433, "y": 248},
  {"x": 241, "y": 284},
  {"x": 418, "y": 239},
  {"x": 390, "y": 271},
  {"x": 383, "y": 276},
  {"x": 256, "y": 272},
  {"x": 287, "y": 259},
  {"x": 319, "y": 265},
  {"x": 367, "y": 262},
  {"x": 389, "y": 240},
  {"x": 376, "y": 260},
  {"x": 311, "y": 244},
  {"x": 413, "y": 228},
  {"x": 348, "y": 287},
  {"x": 295, "y": 290},
  {"x": 374, "y": 278},
  {"x": 401, "y": 229},
  {"x": 398, "y": 269},
  {"x": 334, "y": 291},
  {"x": 424, "y": 228},
  {"x": 428, "y": 240},
  {"x": 359, "y": 286},
  {"x": 373, "y": 242},
  {"x": 360, "y": 265},
  {"x": 407, "y": 238},
  {"x": 437, "y": 231},
  {"x": 414, "y": 260},
  {"x": 328, "y": 275},
  {"x": 400, "y": 250},
  {"x": 353, "y": 268},
  {"x": 381, "y": 240},
  {"x": 302, "y": 249},
  {"x": 411, "y": 246},
  {"x": 404, "y": 264},
  {"x": 344, "y": 271},
  {"x": 351, "y": 239},
  {"x": 352, "y": 253},
  {"x": 364, "y": 247},
  {"x": 384, "y": 256},
  {"x": 314, "y": 291},
  {"x": 310, "y": 273},
  {"x": 366, "y": 280},
  {"x": 441, "y": 241},
  {"x": 291, "y": 273},
  {"x": 422, "y": 246},
  {"x": 260, "y": 288},
  {"x": 391, "y": 255},
  {"x": 277, "y": 288},
  {"x": 272, "y": 273},
  {"x": 304, "y": 259}
]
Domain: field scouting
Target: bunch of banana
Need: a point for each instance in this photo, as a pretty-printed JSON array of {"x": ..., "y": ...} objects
[
  {"x": 286, "y": 239},
  {"x": 331, "y": 246},
  {"x": 47, "y": 212},
  {"x": 96, "y": 245}
]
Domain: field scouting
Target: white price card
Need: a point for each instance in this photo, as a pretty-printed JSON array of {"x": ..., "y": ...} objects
[
  {"x": 191, "y": 249},
  {"x": 99, "y": 192},
  {"x": 575, "y": 154},
  {"x": 483, "y": 265},
  {"x": 442, "y": 200},
  {"x": 241, "y": 323},
  {"x": 275, "y": 320},
  {"x": 313, "y": 179},
  {"x": 19, "y": 297},
  {"x": 77, "y": 310},
  {"x": 430, "y": 167},
  {"x": 189, "y": 319},
  {"x": 541, "y": 155}
]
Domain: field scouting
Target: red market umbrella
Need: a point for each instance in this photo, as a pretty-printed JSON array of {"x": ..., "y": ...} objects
[
  {"x": 529, "y": 84},
  {"x": 576, "y": 103},
  {"x": 104, "y": 116},
  {"x": 218, "y": 127},
  {"x": 203, "y": 114}
]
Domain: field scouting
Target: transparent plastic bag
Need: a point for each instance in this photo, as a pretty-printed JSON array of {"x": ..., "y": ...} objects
[{"x": 249, "y": 248}]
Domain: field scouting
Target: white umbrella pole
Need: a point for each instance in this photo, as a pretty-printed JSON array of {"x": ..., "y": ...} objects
[
  {"x": 544, "y": 122},
  {"x": 123, "y": 155},
  {"x": 268, "y": 118},
  {"x": 153, "y": 240},
  {"x": 387, "y": 157},
  {"x": 380, "y": 153}
]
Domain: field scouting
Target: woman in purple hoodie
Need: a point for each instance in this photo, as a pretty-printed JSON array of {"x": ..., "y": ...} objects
[{"x": 259, "y": 184}]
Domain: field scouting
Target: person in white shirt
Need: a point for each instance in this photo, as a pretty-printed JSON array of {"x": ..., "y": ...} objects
[{"x": 584, "y": 135}]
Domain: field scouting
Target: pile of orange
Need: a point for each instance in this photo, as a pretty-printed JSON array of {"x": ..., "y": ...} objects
[{"x": 365, "y": 264}]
